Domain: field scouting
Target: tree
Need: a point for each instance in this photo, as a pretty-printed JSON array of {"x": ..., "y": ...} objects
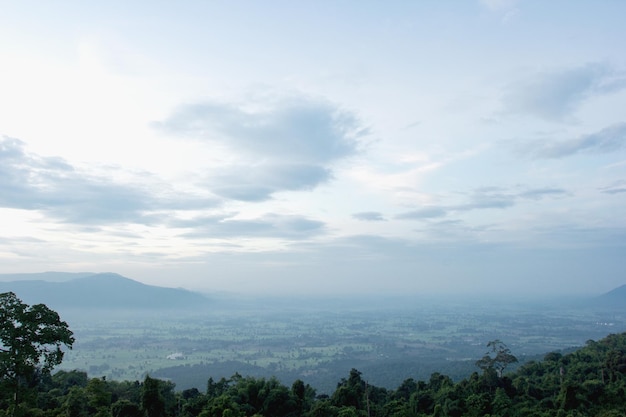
[
  {"x": 152, "y": 401},
  {"x": 350, "y": 392},
  {"x": 125, "y": 408},
  {"x": 30, "y": 342},
  {"x": 497, "y": 358},
  {"x": 76, "y": 403}
]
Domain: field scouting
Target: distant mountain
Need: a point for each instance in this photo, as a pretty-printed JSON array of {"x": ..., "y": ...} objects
[
  {"x": 614, "y": 298},
  {"x": 101, "y": 291}
]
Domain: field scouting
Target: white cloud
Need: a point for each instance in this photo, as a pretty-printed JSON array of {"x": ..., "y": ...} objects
[
  {"x": 555, "y": 95},
  {"x": 369, "y": 216},
  {"x": 485, "y": 198},
  {"x": 299, "y": 129},
  {"x": 609, "y": 139},
  {"x": 259, "y": 182},
  {"x": 52, "y": 186},
  {"x": 267, "y": 226},
  {"x": 290, "y": 145}
]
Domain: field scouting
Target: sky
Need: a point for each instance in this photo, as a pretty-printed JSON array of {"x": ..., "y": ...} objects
[{"x": 321, "y": 147}]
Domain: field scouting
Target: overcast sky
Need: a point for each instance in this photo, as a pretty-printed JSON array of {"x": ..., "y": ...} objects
[{"x": 317, "y": 147}]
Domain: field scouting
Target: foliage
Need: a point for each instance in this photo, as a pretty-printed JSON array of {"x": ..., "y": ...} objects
[
  {"x": 497, "y": 358},
  {"x": 589, "y": 381},
  {"x": 31, "y": 338}
]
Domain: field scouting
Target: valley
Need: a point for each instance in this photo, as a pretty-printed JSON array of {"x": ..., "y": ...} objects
[{"x": 319, "y": 342}]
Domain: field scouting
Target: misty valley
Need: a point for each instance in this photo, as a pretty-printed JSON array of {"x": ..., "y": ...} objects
[
  {"x": 139, "y": 350},
  {"x": 318, "y": 342}
]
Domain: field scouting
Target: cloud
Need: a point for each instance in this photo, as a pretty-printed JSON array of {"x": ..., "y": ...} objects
[
  {"x": 554, "y": 95},
  {"x": 606, "y": 140},
  {"x": 369, "y": 216},
  {"x": 487, "y": 199},
  {"x": 267, "y": 226},
  {"x": 288, "y": 146},
  {"x": 539, "y": 193},
  {"x": 423, "y": 213},
  {"x": 56, "y": 188},
  {"x": 617, "y": 187},
  {"x": 257, "y": 183},
  {"x": 499, "y": 198},
  {"x": 615, "y": 190},
  {"x": 482, "y": 199},
  {"x": 299, "y": 130}
]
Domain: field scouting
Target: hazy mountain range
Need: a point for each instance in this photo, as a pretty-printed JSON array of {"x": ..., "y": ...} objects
[
  {"x": 96, "y": 291},
  {"x": 88, "y": 290}
]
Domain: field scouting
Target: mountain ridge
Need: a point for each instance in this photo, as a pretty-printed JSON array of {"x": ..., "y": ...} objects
[
  {"x": 616, "y": 298},
  {"x": 101, "y": 291}
]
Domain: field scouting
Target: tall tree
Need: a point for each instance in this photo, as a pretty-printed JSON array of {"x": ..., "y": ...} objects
[
  {"x": 497, "y": 357},
  {"x": 30, "y": 342}
]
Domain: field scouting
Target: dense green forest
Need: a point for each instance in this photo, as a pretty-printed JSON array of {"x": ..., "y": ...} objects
[{"x": 588, "y": 382}]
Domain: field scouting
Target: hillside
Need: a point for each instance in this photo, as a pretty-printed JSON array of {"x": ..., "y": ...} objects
[
  {"x": 615, "y": 298},
  {"x": 101, "y": 291}
]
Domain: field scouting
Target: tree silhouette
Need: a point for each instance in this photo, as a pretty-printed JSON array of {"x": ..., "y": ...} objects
[
  {"x": 30, "y": 342},
  {"x": 497, "y": 357}
]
